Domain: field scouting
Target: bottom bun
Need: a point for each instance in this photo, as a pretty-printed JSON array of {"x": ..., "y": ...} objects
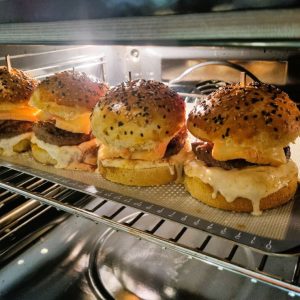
[
  {"x": 203, "y": 192},
  {"x": 138, "y": 177},
  {"x": 43, "y": 157}
]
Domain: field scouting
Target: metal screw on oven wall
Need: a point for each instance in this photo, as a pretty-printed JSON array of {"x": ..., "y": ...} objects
[{"x": 135, "y": 53}]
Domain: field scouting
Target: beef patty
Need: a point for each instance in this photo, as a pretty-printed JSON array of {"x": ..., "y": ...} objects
[
  {"x": 176, "y": 143},
  {"x": 203, "y": 151},
  {"x": 47, "y": 132},
  {"x": 11, "y": 128}
]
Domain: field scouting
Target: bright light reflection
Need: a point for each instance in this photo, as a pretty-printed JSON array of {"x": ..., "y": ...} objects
[
  {"x": 292, "y": 294},
  {"x": 44, "y": 251},
  {"x": 20, "y": 261}
]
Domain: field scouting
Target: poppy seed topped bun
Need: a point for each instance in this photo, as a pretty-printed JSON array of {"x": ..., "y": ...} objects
[
  {"x": 254, "y": 123},
  {"x": 71, "y": 89},
  {"x": 62, "y": 137},
  {"x": 241, "y": 158},
  {"x": 138, "y": 114},
  {"x": 141, "y": 126},
  {"x": 15, "y": 86}
]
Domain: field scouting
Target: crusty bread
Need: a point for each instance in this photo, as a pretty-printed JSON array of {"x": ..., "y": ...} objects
[
  {"x": 16, "y": 86},
  {"x": 69, "y": 89},
  {"x": 254, "y": 123},
  {"x": 138, "y": 115},
  {"x": 138, "y": 177},
  {"x": 203, "y": 192}
]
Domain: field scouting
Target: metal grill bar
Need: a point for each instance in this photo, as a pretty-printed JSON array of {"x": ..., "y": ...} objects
[
  {"x": 155, "y": 228},
  {"x": 116, "y": 213},
  {"x": 97, "y": 206},
  {"x": 262, "y": 263},
  {"x": 133, "y": 221},
  {"x": 296, "y": 274},
  {"x": 165, "y": 243},
  {"x": 205, "y": 243},
  {"x": 179, "y": 235},
  {"x": 232, "y": 253}
]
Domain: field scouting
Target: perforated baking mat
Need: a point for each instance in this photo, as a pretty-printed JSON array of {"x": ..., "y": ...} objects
[{"x": 276, "y": 230}]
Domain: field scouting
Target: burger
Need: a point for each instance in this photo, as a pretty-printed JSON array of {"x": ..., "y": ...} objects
[
  {"x": 140, "y": 125},
  {"x": 62, "y": 136},
  {"x": 241, "y": 156},
  {"x": 16, "y": 116}
]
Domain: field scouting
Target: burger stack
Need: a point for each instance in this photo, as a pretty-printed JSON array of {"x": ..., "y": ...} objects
[
  {"x": 62, "y": 136},
  {"x": 136, "y": 134},
  {"x": 242, "y": 158},
  {"x": 16, "y": 116}
]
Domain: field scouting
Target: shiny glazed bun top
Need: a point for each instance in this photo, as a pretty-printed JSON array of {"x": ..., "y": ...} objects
[
  {"x": 139, "y": 115},
  {"x": 15, "y": 86},
  {"x": 254, "y": 122},
  {"x": 70, "y": 89}
]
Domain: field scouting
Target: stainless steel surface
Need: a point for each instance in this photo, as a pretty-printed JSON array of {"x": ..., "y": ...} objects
[
  {"x": 230, "y": 28},
  {"x": 172, "y": 243}
]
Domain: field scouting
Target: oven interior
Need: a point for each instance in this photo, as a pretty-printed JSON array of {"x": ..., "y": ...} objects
[{"x": 60, "y": 241}]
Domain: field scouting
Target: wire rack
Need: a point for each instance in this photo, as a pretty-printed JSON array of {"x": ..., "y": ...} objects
[{"x": 40, "y": 194}]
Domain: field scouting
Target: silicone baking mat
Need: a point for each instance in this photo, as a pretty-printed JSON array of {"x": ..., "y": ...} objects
[{"x": 276, "y": 230}]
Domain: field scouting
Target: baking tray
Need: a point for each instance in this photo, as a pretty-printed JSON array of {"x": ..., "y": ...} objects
[{"x": 275, "y": 231}]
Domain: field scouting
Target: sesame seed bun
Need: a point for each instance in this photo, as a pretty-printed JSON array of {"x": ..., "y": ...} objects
[
  {"x": 140, "y": 125},
  {"x": 15, "y": 86},
  {"x": 248, "y": 127},
  {"x": 71, "y": 89},
  {"x": 138, "y": 115},
  {"x": 254, "y": 123}
]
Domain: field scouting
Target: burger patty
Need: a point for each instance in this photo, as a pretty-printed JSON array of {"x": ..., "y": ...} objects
[
  {"x": 176, "y": 143},
  {"x": 203, "y": 151},
  {"x": 47, "y": 132},
  {"x": 11, "y": 128}
]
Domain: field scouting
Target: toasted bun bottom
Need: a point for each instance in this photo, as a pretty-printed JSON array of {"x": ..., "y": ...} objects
[
  {"x": 138, "y": 177},
  {"x": 203, "y": 192},
  {"x": 43, "y": 157}
]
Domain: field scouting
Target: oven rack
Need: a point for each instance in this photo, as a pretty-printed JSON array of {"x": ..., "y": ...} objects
[{"x": 174, "y": 240}]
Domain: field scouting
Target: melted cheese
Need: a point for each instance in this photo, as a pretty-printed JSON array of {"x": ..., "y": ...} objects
[
  {"x": 20, "y": 113},
  {"x": 7, "y": 145},
  {"x": 108, "y": 152},
  {"x": 227, "y": 150},
  {"x": 80, "y": 124},
  {"x": 253, "y": 183},
  {"x": 174, "y": 163},
  {"x": 134, "y": 163},
  {"x": 12, "y": 106},
  {"x": 65, "y": 155}
]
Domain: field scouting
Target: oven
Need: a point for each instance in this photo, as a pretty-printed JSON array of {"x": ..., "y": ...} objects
[{"x": 73, "y": 235}]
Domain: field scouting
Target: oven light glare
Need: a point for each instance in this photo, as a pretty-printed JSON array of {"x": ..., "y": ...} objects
[
  {"x": 253, "y": 280},
  {"x": 20, "y": 261},
  {"x": 220, "y": 268},
  {"x": 44, "y": 251},
  {"x": 292, "y": 294}
]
